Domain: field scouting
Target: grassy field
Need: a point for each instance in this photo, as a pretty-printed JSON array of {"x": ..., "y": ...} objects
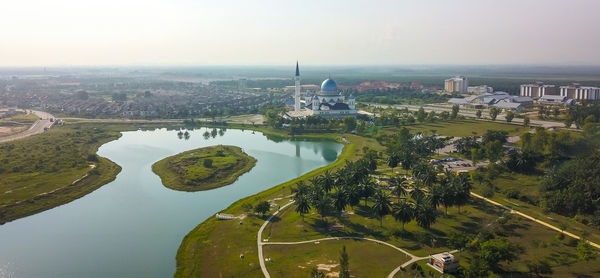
[
  {"x": 538, "y": 243},
  {"x": 39, "y": 172},
  {"x": 360, "y": 222},
  {"x": 187, "y": 171},
  {"x": 213, "y": 248},
  {"x": 20, "y": 117},
  {"x": 528, "y": 192},
  {"x": 462, "y": 128},
  {"x": 298, "y": 260}
]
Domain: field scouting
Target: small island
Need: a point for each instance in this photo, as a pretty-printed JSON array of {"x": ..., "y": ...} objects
[{"x": 203, "y": 168}]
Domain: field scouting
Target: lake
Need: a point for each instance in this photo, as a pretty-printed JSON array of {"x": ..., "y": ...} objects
[{"x": 132, "y": 227}]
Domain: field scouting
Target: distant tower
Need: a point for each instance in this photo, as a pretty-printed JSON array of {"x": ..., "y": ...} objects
[
  {"x": 351, "y": 103},
  {"x": 297, "y": 93}
]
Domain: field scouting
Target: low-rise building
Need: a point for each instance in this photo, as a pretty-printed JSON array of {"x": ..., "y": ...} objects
[
  {"x": 555, "y": 100},
  {"x": 443, "y": 262},
  {"x": 500, "y": 100},
  {"x": 481, "y": 89}
]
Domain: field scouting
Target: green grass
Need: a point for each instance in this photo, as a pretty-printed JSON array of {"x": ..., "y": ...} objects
[
  {"x": 366, "y": 258},
  {"x": 20, "y": 117},
  {"x": 527, "y": 186},
  {"x": 361, "y": 222},
  {"x": 186, "y": 171},
  {"x": 462, "y": 128}
]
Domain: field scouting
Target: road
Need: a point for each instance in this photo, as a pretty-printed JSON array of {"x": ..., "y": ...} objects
[
  {"x": 37, "y": 127},
  {"x": 470, "y": 113}
]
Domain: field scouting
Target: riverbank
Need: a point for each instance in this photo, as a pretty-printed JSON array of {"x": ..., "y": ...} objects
[
  {"x": 213, "y": 248},
  {"x": 189, "y": 171},
  {"x": 47, "y": 170}
]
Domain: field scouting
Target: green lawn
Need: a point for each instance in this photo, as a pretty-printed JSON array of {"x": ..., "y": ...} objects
[
  {"x": 360, "y": 222},
  {"x": 462, "y": 128},
  {"x": 366, "y": 258},
  {"x": 20, "y": 117},
  {"x": 187, "y": 171},
  {"x": 527, "y": 187}
]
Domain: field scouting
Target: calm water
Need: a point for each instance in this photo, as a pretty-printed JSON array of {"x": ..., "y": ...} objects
[{"x": 132, "y": 226}]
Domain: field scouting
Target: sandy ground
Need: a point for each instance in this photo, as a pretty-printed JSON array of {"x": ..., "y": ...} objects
[{"x": 9, "y": 130}]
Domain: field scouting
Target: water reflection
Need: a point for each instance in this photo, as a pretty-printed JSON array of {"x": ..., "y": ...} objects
[{"x": 133, "y": 226}]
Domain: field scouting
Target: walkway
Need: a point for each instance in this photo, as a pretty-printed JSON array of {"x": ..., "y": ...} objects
[
  {"x": 260, "y": 244},
  {"x": 37, "y": 127},
  {"x": 532, "y": 219}
]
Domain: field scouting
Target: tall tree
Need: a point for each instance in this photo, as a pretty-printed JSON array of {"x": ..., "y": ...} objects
[
  {"x": 340, "y": 200},
  {"x": 494, "y": 113},
  {"x": 509, "y": 116},
  {"x": 393, "y": 161},
  {"x": 398, "y": 187},
  {"x": 381, "y": 205},
  {"x": 302, "y": 205},
  {"x": 344, "y": 264},
  {"x": 403, "y": 212},
  {"x": 425, "y": 215},
  {"x": 455, "y": 109},
  {"x": 367, "y": 190}
]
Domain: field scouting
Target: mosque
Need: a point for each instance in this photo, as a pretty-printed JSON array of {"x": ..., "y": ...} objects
[{"x": 328, "y": 103}]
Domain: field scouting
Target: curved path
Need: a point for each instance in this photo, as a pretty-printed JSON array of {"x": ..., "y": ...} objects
[
  {"x": 260, "y": 244},
  {"x": 37, "y": 127},
  {"x": 532, "y": 219}
]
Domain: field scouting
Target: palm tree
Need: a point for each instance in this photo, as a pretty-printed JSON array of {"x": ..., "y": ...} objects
[
  {"x": 403, "y": 212},
  {"x": 367, "y": 190},
  {"x": 340, "y": 200},
  {"x": 316, "y": 181},
  {"x": 301, "y": 189},
  {"x": 302, "y": 205},
  {"x": 381, "y": 205},
  {"x": 417, "y": 194},
  {"x": 327, "y": 181},
  {"x": 353, "y": 194},
  {"x": 393, "y": 161},
  {"x": 425, "y": 215},
  {"x": 322, "y": 203},
  {"x": 399, "y": 189}
]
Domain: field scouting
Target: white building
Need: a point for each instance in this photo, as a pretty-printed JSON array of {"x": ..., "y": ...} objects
[
  {"x": 500, "y": 100},
  {"x": 328, "y": 103},
  {"x": 577, "y": 92},
  {"x": 481, "y": 89},
  {"x": 457, "y": 84},
  {"x": 538, "y": 90}
]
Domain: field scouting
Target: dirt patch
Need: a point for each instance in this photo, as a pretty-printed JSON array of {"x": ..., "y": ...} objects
[
  {"x": 10, "y": 130},
  {"x": 326, "y": 267}
]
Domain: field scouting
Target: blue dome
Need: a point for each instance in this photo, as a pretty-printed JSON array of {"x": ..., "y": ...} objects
[{"x": 328, "y": 86}]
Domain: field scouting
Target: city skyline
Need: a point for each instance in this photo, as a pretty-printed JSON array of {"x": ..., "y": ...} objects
[{"x": 189, "y": 33}]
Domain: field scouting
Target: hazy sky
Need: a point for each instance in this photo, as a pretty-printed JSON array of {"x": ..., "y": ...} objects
[{"x": 343, "y": 32}]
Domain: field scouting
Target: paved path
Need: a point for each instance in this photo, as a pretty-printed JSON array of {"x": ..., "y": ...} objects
[
  {"x": 37, "y": 127},
  {"x": 533, "y": 219},
  {"x": 260, "y": 244}
]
